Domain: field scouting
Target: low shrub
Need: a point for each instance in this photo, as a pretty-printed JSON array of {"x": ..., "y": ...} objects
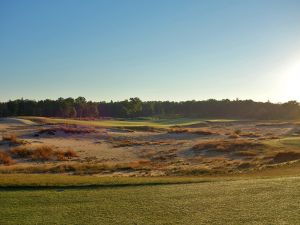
[
  {"x": 13, "y": 140},
  {"x": 63, "y": 155},
  {"x": 70, "y": 153},
  {"x": 21, "y": 151},
  {"x": 6, "y": 159},
  {"x": 42, "y": 153},
  {"x": 10, "y": 138}
]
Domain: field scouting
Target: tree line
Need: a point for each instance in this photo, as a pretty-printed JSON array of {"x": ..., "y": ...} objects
[{"x": 134, "y": 107}]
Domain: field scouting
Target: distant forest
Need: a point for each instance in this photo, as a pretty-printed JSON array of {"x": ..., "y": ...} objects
[{"x": 134, "y": 107}]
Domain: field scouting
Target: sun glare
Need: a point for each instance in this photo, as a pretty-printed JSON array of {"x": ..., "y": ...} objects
[{"x": 292, "y": 82}]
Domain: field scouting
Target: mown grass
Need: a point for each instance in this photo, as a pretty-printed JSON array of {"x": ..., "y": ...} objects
[
  {"x": 156, "y": 123},
  {"x": 250, "y": 201},
  {"x": 63, "y": 180}
]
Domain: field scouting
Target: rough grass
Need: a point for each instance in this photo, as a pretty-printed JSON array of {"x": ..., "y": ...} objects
[
  {"x": 41, "y": 153},
  {"x": 6, "y": 159},
  {"x": 286, "y": 156},
  {"x": 12, "y": 139},
  {"x": 246, "y": 153},
  {"x": 9, "y": 137},
  {"x": 203, "y": 132},
  {"x": 227, "y": 145},
  {"x": 67, "y": 130},
  {"x": 129, "y": 143},
  {"x": 251, "y": 201},
  {"x": 77, "y": 167},
  {"x": 20, "y": 152}
]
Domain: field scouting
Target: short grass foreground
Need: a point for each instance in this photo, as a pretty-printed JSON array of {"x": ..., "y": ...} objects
[{"x": 221, "y": 201}]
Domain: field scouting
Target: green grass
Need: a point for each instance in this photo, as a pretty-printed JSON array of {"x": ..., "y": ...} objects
[
  {"x": 151, "y": 122},
  {"x": 250, "y": 201},
  {"x": 290, "y": 142},
  {"x": 293, "y": 141},
  {"x": 63, "y": 180}
]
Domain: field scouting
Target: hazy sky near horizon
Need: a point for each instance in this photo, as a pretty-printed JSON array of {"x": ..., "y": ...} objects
[{"x": 153, "y": 49}]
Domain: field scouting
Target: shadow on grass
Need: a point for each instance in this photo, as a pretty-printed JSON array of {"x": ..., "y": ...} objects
[{"x": 91, "y": 186}]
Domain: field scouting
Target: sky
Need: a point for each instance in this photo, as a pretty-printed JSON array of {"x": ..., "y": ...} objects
[{"x": 153, "y": 49}]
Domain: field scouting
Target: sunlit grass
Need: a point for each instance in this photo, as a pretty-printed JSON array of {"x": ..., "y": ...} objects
[
  {"x": 250, "y": 201},
  {"x": 159, "y": 123}
]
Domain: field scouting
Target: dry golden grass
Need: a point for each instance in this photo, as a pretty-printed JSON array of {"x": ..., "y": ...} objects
[
  {"x": 20, "y": 151},
  {"x": 9, "y": 137},
  {"x": 79, "y": 168},
  {"x": 6, "y": 159},
  {"x": 42, "y": 153},
  {"x": 63, "y": 155},
  {"x": 203, "y": 132},
  {"x": 12, "y": 139}
]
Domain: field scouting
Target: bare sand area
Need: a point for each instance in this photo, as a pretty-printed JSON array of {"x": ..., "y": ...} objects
[{"x": 204, "y": 148}]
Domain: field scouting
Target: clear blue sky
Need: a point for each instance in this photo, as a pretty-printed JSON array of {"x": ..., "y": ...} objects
[{"x": 153, "y": 49}]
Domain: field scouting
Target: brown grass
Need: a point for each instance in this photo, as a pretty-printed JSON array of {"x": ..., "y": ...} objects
[
  {"x": 191, "y": 131},
  {"x": 286, "y": 156},
  {"x": 12, "y": 139},
  {"x": 42, "y": 153},
  {"x": 66, "y": 130},
  {"x": 246, "y": 153},
  {"x": 129, "y": 143},
  {"x": 233, "y": 136},
  {"x": 70, "y": 153},
  {"x": 20, "y": 152},
  {"x": 250, "y": 135},
  {"x": 80, "y": 168},
  {"x": 6, "y": 159},
  {"x": 227, "y": 145},
  {"x": 237, "y": 131},
  {"x": 9, "y": 137},
  {"x": 63, "y": 155}
]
